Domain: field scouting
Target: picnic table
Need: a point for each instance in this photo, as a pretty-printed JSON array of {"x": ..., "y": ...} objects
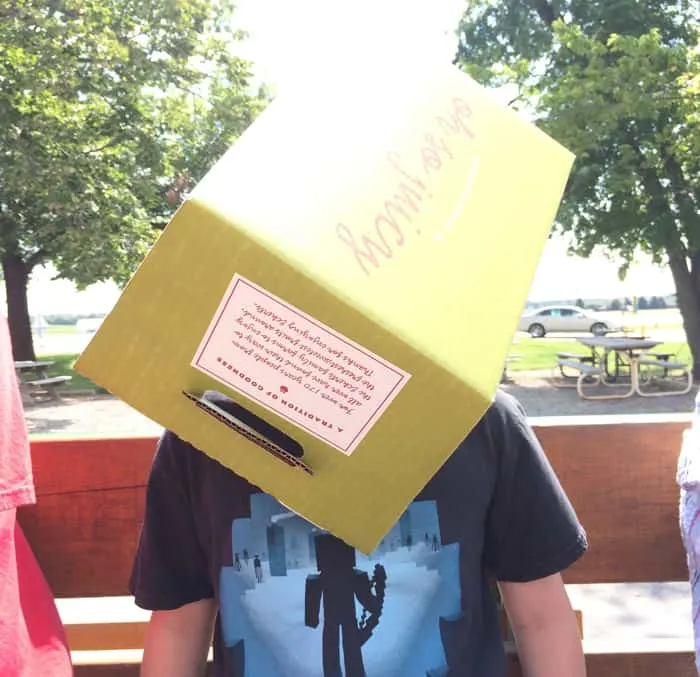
[
  {"x": 512, "y": 357},
  {"x": 34, "y": 381},
  {"x": 623, "y": 349},
  {"x": 629, "y": 354}
]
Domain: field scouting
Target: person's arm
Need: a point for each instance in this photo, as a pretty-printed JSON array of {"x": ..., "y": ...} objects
[
  {"x": 171, "y": 575},
  {"x": 177, "y": 641},
  {"x": 545, "y": 628},
  {"x": 533, "y": 534}
]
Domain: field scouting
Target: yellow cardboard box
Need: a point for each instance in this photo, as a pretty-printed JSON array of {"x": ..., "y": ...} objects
[{"x": 351, "y": 273}]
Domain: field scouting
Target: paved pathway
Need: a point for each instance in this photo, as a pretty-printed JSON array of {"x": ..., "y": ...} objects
[
  {"x": 96, "y": 415},
  {"x": 105, "y": 415},
  {"x": 542, "y": 397}
]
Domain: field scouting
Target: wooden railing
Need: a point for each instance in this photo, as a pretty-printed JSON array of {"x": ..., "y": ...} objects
[{"x": 618, "y": 474}]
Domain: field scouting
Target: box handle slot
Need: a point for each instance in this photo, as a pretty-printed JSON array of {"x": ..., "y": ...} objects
[{"x": 252, "y": 427}]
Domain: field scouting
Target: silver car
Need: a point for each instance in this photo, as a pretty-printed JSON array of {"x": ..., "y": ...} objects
[{"x": 565, "y": 319}]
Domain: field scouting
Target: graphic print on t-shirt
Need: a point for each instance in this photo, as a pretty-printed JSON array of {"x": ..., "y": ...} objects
[{"x": 298, "y": 601}]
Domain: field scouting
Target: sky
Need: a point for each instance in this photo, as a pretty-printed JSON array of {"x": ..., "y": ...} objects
[
  {"x": 289, "y": 43},
  {"x": 558, "y": 277},
  {"x": 287, "y": 38}
]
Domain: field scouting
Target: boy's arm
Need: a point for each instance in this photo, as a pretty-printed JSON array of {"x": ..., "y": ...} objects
[
  {"x": 171, "y": 575},
  {"x": 533, "y": 534},
  {"x": 545, "y": 628},
  {"x": 177, "y": 641}
]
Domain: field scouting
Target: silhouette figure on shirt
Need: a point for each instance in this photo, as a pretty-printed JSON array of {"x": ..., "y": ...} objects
[
  {"x": 257, "y": 566},
  {"x": 336, "y": 587}
]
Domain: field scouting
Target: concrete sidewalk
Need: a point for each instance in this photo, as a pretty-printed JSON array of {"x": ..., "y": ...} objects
[{"x": 102, "y": 415}]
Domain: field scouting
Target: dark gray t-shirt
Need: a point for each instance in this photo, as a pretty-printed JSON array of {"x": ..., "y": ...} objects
[{"x": 295, "y": 601}]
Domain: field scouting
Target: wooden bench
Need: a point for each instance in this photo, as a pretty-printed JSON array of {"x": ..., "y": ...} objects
[
  {"x": 619, "y": 474},
  {"x": 48, "y": 387}
]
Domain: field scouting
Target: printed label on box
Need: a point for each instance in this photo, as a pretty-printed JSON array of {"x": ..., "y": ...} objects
[{"x": 297, "y": 367}]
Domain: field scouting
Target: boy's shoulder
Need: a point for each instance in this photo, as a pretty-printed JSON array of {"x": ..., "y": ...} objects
[
  {"x": 503, "y": 424},
  {"x": 505, "y": 410}
]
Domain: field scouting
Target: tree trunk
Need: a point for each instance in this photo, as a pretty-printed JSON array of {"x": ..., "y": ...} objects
[
  {"x": 16, "y": 280},
  {"x": 687, "y": 282}
]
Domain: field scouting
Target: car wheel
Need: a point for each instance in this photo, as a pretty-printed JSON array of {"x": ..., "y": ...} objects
[
  {"x": 599, "y": 329},
  {"x": 536, "y": 331}
]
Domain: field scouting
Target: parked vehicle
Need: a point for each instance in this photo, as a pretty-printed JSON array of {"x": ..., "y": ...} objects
[{"x": 565, "y": 319}]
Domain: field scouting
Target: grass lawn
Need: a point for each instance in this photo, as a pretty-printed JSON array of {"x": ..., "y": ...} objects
[
  {"x": 536, "y": 354},
  {"x": 63, "y": 366},
  {"x": 60, "y": 329}
]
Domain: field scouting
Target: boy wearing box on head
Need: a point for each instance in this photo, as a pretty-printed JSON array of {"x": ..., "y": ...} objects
[{"x": 283, "y": 598}]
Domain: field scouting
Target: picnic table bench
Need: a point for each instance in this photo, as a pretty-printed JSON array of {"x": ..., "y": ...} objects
[
  {"x": 583, "y": 368},
  {"x": 666, "y": 365},
  {"x": 35, "y": 383},
  {"x": 660, "y": 355},
  {"x": 617, "y": 471},
  {"x": 587, "y": 374},
  {"x": 576, "y": 356},
  {"x": 512, "y": 357},
  {"x": 576, "y": 361}
]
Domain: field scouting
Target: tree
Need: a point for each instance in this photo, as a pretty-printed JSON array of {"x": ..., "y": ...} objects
[
  {"x": 642, "y": 303},
  {"x": 580, "y": 303},
  {"x": 615, "y": 304},
  {"x": 618, "y": 83},
  {"x": 109, "y": 109}
]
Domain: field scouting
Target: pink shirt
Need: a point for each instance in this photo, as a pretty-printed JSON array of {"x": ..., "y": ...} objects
[
  {"x": 32, "y": 639},
  {"x": 16, "y": 485}
]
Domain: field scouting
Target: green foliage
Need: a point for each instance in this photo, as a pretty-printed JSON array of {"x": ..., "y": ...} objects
[
  {"x": 541, "y": 354},
  {"x": 624, "y": 109},
  {"x": 618, "y": 83},
  {"x": 105, "y": 105}
]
